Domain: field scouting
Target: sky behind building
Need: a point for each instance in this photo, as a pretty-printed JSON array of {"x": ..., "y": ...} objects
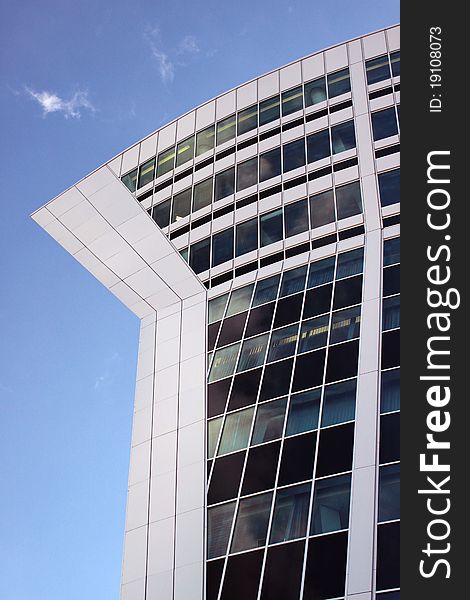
[{"x": 80, "y": 82}]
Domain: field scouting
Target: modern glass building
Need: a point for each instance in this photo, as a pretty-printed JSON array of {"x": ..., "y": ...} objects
[{"x": 257, "y": 238}]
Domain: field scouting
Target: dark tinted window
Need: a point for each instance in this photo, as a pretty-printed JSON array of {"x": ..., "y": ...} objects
[
  {"x": 245, "y": 389},
  {"x": 320, "y": 272},
  {"x": 395, "y": 60},
  {"x": 326, "y": 566},
  {"x": 339, "y": 403},
  {"x": 390, "y": 399},
  {"x": 217, "y": 397},
  {"x": 226, "y": 129},
  {"x": 331, "y": 504},
  {"x": 388, "y": 556},
  {"x": 199, "y": 256},
  {"x": 303, "y": 412},
  {"x": 318, "y": 145},
  {"x": 205, "y": 140},
  {"x": 224, "y": 183},
  {"x": 384, "y": 123},
  {"x": 161, "y": 213},
  {"x": 342, "y": 361},
  {"x": 276, "y": 380},
  {"x": 297, "y": 459},
  {"x": 348, "y": 292},
  {"x": 288, "y": 310},
  {"x": 222, "y": 247},
  {"x": 214, "y": 575},
  {"x": 293, "y": 155},
  {"x": 260, "y": 319},
  {"x": 247, "y": 119},
  {"x": 389, "y": 438},
  {"x": 317, "y": 301},
  {"x": 269, "y": 421},
  {"x": 242, "y": 576},
  {"x": 290, "y": 513},
  {"x": 350, "y": 263},
  {"x": 226, "y": 478},
  {"x": 309, "y": 370},
  {"x": 391, "y": 281},
  {"x": 335, "y": 450},
  {"x": 348, "y": 200},
  {"x": 283, "y": 572},
  {"x": 271, "y": 227},
  {"x": 202, "y": 194},
  {"x": 377, "y": 69},
  {"x": 292, "y": 100},
  {"x": 389, "y": 493},
  {"x": 315, "y": 91},
  {"x": 296, "y": 216},
  {"x": 270, "y": 164},
  {"x": 389, "y": 187},
  {"x": 338, "y": 83},
  {"x": 391, "y": 349},
  {"x": 391, "y": 251},
  {"x": 261, "y": 468},
  {"x": 251, "y": 523},
  {"x": 181, "y": 205},
  {"x": 343, "y": 137},
  {"x": 246, "y": 237},
  {"x": 232, "y": 329},
  {"x": 247, "y": 173},
  {"x": 269, "y": 110},
  {"x": 266, "y": 290}
]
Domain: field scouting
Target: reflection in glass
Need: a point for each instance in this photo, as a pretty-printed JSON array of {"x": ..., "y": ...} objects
[
  {"x": 322, "y": 209},
  {"x": 253, "y": 352},
  {"x": 321, "y": 271},
  {"x": 219, "y": 522},
  {"x": 290, "y": 513},
  {"x": 318, "y": 145},
  {"x": 185, "y": 151},
  {"x": 252, "y": 523},
  {"x": 205, "y": 140},
  {"x": 348, "y": 200},
  {"x": 315, "y": 91},
  {"x": 266, "y": 290},
  {"x": 199, "y": 256},
  {"x": 270, "y": 164},
  {"x": 293, "y": 155},
  {"x": 395, "y": 60},
  {"x": 389, "y": 493},
  {"x": 390, "y": 400},
  {"x": 247, "y": 173},
  {"x": 303, "y": 412},
  {"x": 314, "y": 334},
  {"x": 202, "y": 194},
  {"x": 224, "y": 183},
  {"x": 296, "y": 218},
  {"x": 377, "y": 69},
  {"x": 389, "y": 187},
  {"x": 339, "y": 403},
  {"x": 269, "y": 421},
  {"x": 226, "y": 129},
  {"x": 213, "y": 430},
  {"x": 222, "y": 247},
  {"x": 166, "y": 161},
  {"x": 350, "y": 263},
  {"x": 146, "y": 172},
  {"x": 269, "y": 110},
  {"x": 271, "y": 227},
  {"x": 223, "y": 363},
  {"x": 236, "y": 431},
  {"x": 283, "y": 342},
  {"x": 345, "y": 325},
  {"x": 384, "y": 123},
  {"x": 338, "y": 83},
  {"x": 331, "y": 504},
  {"x": 343, "y": 137},
  {"x": 216, "y": 308},
  {"x": 292, "y": 100},
  {"x": 293, "y": 281},
  {"x": 240, "y": 299},
  {"x": 391, "y": 313},
  {"x": 391, "y": 251},
  {"x": 161, "y": 213},
  {"x": 247, "y": 119},
  {"x": 130, "y": 180},
  {"x": 246, "y": 237},
  {"x": 181, "y": 205}
]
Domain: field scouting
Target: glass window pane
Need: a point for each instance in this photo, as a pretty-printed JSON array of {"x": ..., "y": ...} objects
[
  {"x": 240, "y": 300},
  {"x": 185, "y": 151},
  {"x": 252, "y": 523},
  {"x": 213, "y": 430},
  {"x": 388, "y": 557},
  {"x": 297, "y": 459},
  {"x": 146, "y": 172},
  {"x": 223, "y": 363},
  {"x": 384, "y": 123},
  {"x": 166, "y": 161},
  {"x": 315, "y": 91},
  {"x": 322, "y": 209},
  {"x": 293, "y": 281},
  {"x": 130, "y": 180},
  {"x": 246, "y": 237},
  {"x": 309, "y": 370},
  {"x": 348, "y": 200},
  {"x": 236, "y": 431},
  {"x": 269, "y": 110},
  {"x": 395, "y": 60},
  {"x": 321, "y": 271},
  {"x": 185, "y": 254},
  {"x": 247, "y": 119},
  {"x": 202, "y": 194},
  {"x": 318, "y": 145},
  {"x": 293, "y": 155},
  {"x": 339, "y": 403},
  {"x": 389, "y": 493},
  {"x": 296, "y": 217},
  {"x": 283, "y": 342},
  {"x": 292, "y": 100},
  {"x": 290, "y": 513},
  {"x": 338, "y": 83},
  {"x": 391, "y": 251},
  {"x": 266, "y": 290},
  {"x": 199, "y": 256},
  {"x": 345, "y": 325},
  {"x": 271, "y": 227},
  {"x": 389, "y": 187},
  {"x": 226, "y": 129},
  {"x": 224, "y": 183},
  {"x": 276, "y": 380},
  {"x": 181, "y": 205},
  {"x": 391, "y": 313},
  {"x": 161, "y": 213},
  {"x": 226, "y": 475},
  {"x": 247, "y": 173},
  {"x": 270, "y": 164},
  {"x": 303, "y": 412},
  {"x": 350, "y": 263},
  {"x": 314, "y": 334},
  {"x": 269, "y": 421},
  {"x": 222, "y": 247},
  {"x": 343, "y": 137},
  {"x": 253, "y": 352},
  {"x": 219, "y": 522},
  {"x": 331, "y": 504},
  {"x": 390, "y": 400},
  {"x": 205, "y": 140},
  {"x": 325, "y": 572},
  {"x": 377, "y": 69},
  {"x": 217, "y": 308}
]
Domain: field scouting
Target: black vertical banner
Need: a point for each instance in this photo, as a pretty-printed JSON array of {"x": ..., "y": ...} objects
[{"x": 435, "y": 206}]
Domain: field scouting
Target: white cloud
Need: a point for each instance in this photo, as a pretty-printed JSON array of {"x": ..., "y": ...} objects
[
  {"x": 169, "y": 59},
  {"x": 72, "y": 108}
]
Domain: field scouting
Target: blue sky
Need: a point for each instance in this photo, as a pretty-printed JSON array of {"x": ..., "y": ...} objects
[{"x": 80, "y": 82}]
